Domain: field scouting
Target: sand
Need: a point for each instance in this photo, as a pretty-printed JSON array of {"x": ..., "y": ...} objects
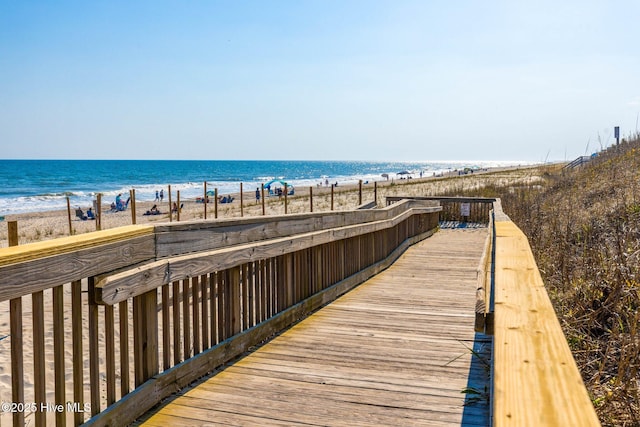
[{"x": 33, "y": 227}]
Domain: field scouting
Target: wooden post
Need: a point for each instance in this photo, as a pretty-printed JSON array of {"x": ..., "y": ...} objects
[
  {"x": 286, "y": 190},
  {"x": 58, "y": 353},
  {"x": 39, "y": 372},
  {"x": 215, "y": 203},
  {"x": 94, "y": 361},
  {"x": 170, "y": 213},
  {"x": 359, "y": 192},
  {"x": 332, "y": 196},
  {"x": 145, "y": 328},
  {"x": 132, "y": 195},
  {"x": 241, "y": 204},
  {"x": 205, "y": 200},
  {"x": 99, "y": 211},
  {"x": 178, "y": 206},
  {"x": 69, "y": 216},
  {"x": 262, "y": 196},
  {"x": 78, "y": 362},
  {"x": 375, "y": 192},
  {"x": 235, "y": 314},
  {"x": 17, "y": 361},
  {"x": 311, "y": 199}
]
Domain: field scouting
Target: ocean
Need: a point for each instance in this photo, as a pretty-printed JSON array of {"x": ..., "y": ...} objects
[{"x": 43, "y": 185}]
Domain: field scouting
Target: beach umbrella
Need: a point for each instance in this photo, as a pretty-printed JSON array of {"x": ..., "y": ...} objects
[
  {"x": 404, "y": 173},
  {"x": 385, "y": 175}
]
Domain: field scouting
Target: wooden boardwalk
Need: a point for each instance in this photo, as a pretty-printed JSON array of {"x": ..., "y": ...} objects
[{"x": 395, "y": 351}]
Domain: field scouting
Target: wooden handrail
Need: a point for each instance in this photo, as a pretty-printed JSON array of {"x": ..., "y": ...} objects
[{"x": 535, "y": 379}]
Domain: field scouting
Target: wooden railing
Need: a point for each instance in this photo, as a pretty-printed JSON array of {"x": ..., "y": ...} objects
[
  {"x": 468, "y": 209},
  {"x": 105, "y": 325},
  {"x": 536, "y": 381}
]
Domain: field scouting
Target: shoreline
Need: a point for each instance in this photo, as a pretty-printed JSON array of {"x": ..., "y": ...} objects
[{"x": 45, "y": 225}]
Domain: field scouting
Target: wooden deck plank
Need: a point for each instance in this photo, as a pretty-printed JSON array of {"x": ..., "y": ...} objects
[{"x": 393, "y": 351}]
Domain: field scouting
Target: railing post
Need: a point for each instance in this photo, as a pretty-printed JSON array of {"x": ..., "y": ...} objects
[
  {"x": 17, "y": 362},
  {"x": 235, "y": 317},
  {"x": 145, "y": 328}
]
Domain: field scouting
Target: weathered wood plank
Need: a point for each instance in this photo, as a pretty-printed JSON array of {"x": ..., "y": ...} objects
[
  {"x": 194, "y": 236},
  {"x": 537, "y": 382},
  {"x": 35, "y": 269}
]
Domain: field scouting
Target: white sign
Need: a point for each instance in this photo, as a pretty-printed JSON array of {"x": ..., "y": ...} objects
[{"x": 465, "y": 208}]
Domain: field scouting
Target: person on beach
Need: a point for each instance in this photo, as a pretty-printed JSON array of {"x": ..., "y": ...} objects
[
  {"x": 161, "y": 194},
  {"x": 90, "y": 214},
  {"x": 157, "y": 196},
  {"x": 153, "y": 211},
  {"x": 257, "y": 195}
]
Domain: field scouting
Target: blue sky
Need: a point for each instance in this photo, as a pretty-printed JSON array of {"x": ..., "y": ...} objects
[{"x": 326, "y": 80}]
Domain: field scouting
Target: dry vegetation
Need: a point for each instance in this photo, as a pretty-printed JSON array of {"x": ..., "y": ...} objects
[{"x": 584, "y": 228}]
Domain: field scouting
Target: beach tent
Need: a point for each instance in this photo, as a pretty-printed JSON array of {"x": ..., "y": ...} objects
[{"x": 273, "y": 183}]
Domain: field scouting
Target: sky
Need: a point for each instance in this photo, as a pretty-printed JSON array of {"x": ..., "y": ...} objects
[{"x": 423, "y": 80}]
